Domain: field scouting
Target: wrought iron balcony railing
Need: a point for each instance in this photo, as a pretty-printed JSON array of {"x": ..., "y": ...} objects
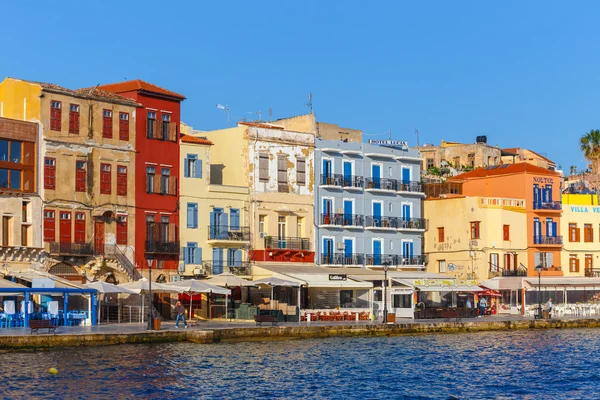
[
  {"x": 548, "y": 205},
  {"x": 353, "y": 220},
  {"x": 71, "y": 249},
  {"x": 382, "y": 222},
  {"x": 224, "y": 232},
  {"x": 331, "y": 180},
  {"x": 592, "y": 273},
  {"x": 381, "y": 184},
  {"x": 410, "y": 186},
  {"x": 332, "y": 219},
  {"x": 343, "y": 259},
  {"x": 161, "y": 247},
  {"x": 351, "y": 181},
  {"x": 514, "y": 272},
  {"x": 548, "y": 240},
  {"x": 235, "y": 267},
  {"x": 413, "y": 223},
  {"x": 290, "y": 243}
]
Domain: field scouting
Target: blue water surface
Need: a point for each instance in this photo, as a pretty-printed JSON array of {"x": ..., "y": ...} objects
[{"x": 552, "y": 364}]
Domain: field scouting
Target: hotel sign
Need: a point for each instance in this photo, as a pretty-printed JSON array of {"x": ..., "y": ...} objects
[
  {"x": 338, "y": 277},
  {"x": 444, "y": 282},
  {"x": 393, "y": 143}
]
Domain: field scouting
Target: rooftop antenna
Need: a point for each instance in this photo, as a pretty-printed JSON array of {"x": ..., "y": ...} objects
[
  {"x": 270, "y": 114},
  {"x": 226, "y": 109},
  {"x": 259, "y": 114},
  {"x": 417, "y": 133},
  {"x": 390, "y": 132},
  {"x": 309, "y": 104}
]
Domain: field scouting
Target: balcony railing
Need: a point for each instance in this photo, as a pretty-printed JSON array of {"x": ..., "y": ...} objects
[
  {"x": 161, "y": 132},
  {"x": 351, "y": 181},
  {"x": 548, "y": 205},
  {"x": 155, "y": 184},
  {"x": 331, "y": 180},
  {"x": 290, "y": 243},
  {"x": 410, "y": 186},
  {"x": 514, "y": 272},
  {"x": 381, "y": 184},
  {"x": 413, "y": 223},
  {"x": 332, "y": 219},
  {"x": 235, "y": 267},
  {"x": 353, "y": 220},
  {"x": 343, "y": 259},
  {"x": 592, "y": 273},
  {"x": 224, "y": 232},
  {"x": 548, "y": 240},
  {"x": 414, "y": 260},
  {"x": 382, "y": 222},
  {"x": 379, "y": 259},
  {"x": 71, "y": 249},
  {"x": 161, "y": 247}
]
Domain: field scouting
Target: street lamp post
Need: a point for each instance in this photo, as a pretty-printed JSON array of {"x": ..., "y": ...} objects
[
  {"x": 150, "y": 259},
  {"x": 539, "y": 270},
  {"x": 386, "y": 265}
]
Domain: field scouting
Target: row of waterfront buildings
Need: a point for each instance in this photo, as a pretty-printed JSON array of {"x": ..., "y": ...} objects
[{"x": 95, "y": 182}]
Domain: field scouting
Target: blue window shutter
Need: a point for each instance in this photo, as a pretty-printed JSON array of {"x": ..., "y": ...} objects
[
  {"x": 224, "y": 219},
  {"x": 410, "y": 253},
  {"x": 235, "y": 219},
  {"x": 554, "y": 229},
  {"x": 198, "y": 168},
  {"x": 195, "y": 215},
  {"x": 186, "y": 169},
  {"x": 198, "y": 251},
  {"x": 186, "y": 255},
  {"x": 190, "y": 215},
  {"x": 238, "y": 258}
]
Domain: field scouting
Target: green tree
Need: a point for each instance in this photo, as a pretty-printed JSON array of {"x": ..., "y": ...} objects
[
  {"x": 590, "y": 146},
  {"x": 573, "y": 170}
]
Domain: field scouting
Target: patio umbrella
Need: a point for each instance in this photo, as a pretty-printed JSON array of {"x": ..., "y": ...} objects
[
  {"x": 194, "y": 286},
  {"x": 227, "y": 280},
  {"x": 105, "y": 287},
  {"x": 274, "y": 281},
  {"x": 142, "y": 286}
]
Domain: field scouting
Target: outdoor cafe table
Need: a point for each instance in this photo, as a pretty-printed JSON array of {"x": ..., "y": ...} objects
[{"x": 77, "y": 316}]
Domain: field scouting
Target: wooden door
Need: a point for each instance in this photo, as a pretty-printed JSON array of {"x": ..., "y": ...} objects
[
  {"x": 65, "y": 227},
  {"x": 99, "y": 235}
]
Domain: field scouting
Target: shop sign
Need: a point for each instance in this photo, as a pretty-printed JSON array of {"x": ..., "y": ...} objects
[
  {"x": 338, "y": 277},
  {"x": 403, "y": 144},
  {"x": 580, "y": 209},
  {"x": 539, "y": 179}
]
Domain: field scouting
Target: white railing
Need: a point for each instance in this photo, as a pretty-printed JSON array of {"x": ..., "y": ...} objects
[{"x": 501, "y": 202}]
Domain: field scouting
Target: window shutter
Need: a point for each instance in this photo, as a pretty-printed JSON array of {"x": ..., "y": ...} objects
[
  {"x": 195, "y": 215},
  {"x": 186, "y": 255},
  {"x": 225, "y": 218},
  {"x": 550, "y": 258},
  {"x": 190, "y": 216},
  {"x": 576, "y": 235},
  {"x": 554, "y": 229},
  {"x": 536, "y": 259},
  {"x": 198, "y": 168},
  {"x": 186, "y": 168},
  {"x": 238, "y": 258},
  {"x": 198, "y": 255},
  {"x": 577, "y": 265},
  {"x": 411, "y": 250}
]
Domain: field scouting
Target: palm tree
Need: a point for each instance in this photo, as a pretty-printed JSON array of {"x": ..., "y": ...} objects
[
  {"x": 590, "y": 146},
  {"x": 573, "y": 170}
]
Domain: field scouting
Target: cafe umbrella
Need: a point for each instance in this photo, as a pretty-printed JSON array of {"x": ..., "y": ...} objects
[
  {"x": 229, "y": 280},
  {"x": 142, "y": 287},
  {"x": 274, "y": 281},
  {"x": 192, "y": 286},
  {"x": 107, "y": 288}
]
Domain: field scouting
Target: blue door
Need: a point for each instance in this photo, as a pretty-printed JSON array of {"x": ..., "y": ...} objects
[
  {"x": 406, "y": 212},
  {"x": 377, "y": 214},
  {"x": 376, "y": 252},
  {"x": 537, "y": 231},
  {"x": 348, "y": 173},
  {"x": 405, "y": 176},
  {"x": 536, "y": 197},
  {"x": 550, "y": 228},
  {"x": 327, "y": 251},
  {"x": 327, "y": 214},
  {"x": 548, "y": 193},
  {"x": 218, "y": 224},
  {"x": 348, "y": 212},
  {"x": 348, "y": 250},
  {"x": 376, "y": 174},
  {"x": 326, "y": 171},
  {"x": 217, "y": 261}
]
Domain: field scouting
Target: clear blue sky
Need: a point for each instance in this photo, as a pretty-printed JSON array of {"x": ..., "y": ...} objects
[{"x": 524, "y": 73}]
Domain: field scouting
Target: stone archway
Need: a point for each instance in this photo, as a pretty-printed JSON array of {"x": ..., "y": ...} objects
[{"x": 65, "y": 271}]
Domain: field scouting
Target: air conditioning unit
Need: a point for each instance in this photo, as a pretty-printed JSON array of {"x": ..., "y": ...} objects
[
  {"x": 262, "y": 235},
  {"x": 199, "y": 272},
  {"x": 176, "y": 278},
  {"x": 341, "y": 246},
  {"x": 339, "y": 210}
]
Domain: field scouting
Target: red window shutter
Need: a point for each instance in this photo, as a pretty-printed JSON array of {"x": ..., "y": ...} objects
[
  {"x": 79, "y": 227},
  {"x": 124, "y": 126},
  {"x": 79, "y": 177},
  {"x": 49, "y": 173},
  {"x": 121, "y": 229},
  {"x": 55, "y": 115},
  {"x": 506, "y": 232},
  {"x": 440, "y": 235},
  {"x": 105, "y": 179},
  {"x": 107, "y": 123},
  {"x": 122, "y": 180},
  {"x": 49, "y": 226},
  {"x": 74, "y": 119}
]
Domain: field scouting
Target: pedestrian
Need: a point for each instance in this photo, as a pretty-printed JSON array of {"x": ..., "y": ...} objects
[
  {"x": 469, "y": 303},
  {"x": 180, "y": 310},
  {"x": 549, "y": 306},
  {"x": 482, "y": 306}
]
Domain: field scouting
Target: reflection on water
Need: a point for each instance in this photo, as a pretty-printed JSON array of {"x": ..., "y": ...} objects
[{"x": 529, "y": 364}]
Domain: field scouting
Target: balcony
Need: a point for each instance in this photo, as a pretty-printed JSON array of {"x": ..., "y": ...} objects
[
  {"x": 552, "y": 206},
  {"x": 224, "y": 233},
  {"x": 350, "y": 221},
  {"x": 379, "y": 259},
  {"x": 381, "y": 184},
  {"x": 331, "y": 180},
  {"x": 156, "y": 184},
  {"x": 239, "y": 268},
  {"x": 548, "y": 240},
  {"x": 287, "y": 243},
  {"x": 161, "y": 247},
  {"x": 332, "y": 219},
  {"x": 413, "y": 224},
  {"x": 351, "y": 182},
  {"x": 163, "y": 131},
  {"x": 378, "y": 222},
  {"x": 412, "y": 187},
  {"x": 343, "y": 259},
  {"x": 409, "y": 261},
  {"x": 592, "y": 273},
  {"x": 71, "y": 249},
  {"x": 514, "y": 272}
]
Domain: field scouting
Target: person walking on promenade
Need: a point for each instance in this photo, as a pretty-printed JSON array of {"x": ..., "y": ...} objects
[
  {"x": 549, "y": 306},
  {"x": 469, "y": 306},
  {"x": 482, "y": 306},
  {"x": 180, "y": 310}
]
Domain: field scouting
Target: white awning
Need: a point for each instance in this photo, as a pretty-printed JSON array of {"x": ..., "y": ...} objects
[
  {"x": 320, "y": 280},
  {"x": 458, "y": 288}
]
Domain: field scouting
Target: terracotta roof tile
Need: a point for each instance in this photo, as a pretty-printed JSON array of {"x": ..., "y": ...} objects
[
  {"x": 195, "y": 140},
  {"x": 504, "y": 169},
  {"x": 140, "y": 85},
  {"x": 261, "y": 125}
]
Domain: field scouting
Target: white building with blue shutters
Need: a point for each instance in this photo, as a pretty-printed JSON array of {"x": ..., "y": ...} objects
[
  {"x": 368, "y": 205},
  {"x": 214, "y": 221}
]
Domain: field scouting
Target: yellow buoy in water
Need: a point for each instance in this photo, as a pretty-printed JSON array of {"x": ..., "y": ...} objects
[{"x": 53, "y": 371}]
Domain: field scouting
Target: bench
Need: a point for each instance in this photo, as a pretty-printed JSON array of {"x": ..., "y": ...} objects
[
  {"x": 449, "y": 314},
  {"x": 37, "y": 324},
  {"x": 260, "y": 319}
]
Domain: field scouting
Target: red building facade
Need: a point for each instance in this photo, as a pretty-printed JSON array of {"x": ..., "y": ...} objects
[{"x": 157, "y": 166}]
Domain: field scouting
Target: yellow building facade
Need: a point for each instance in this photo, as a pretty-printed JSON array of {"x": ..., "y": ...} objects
[
  {"x": 476, "y": 237},
  {"x": 86, "y": 174},
  {"x": 581, "y": 233}
]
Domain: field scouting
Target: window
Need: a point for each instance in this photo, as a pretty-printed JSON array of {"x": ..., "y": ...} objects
[
  {"x": 6, "y": 230},
  {"x": 299, "y": 226},
  {"x": 234, "y": 219},
  {"x": 79, "y": 227},
  {"x": 105, "y": 179},
  {"x": 150, "y": 177},
  {"x": 24, "y": 213},
  {"x": 192, "y": 215},
  {"x": 192, "y": 254},
  {"x": 301, "y": 171},
  {"x": 282, "y": 182},
  {"x": 49, "y": 226},
  {"x": 55, "y": 115},
  {"x": 588, "y": 233},
  {"x": 390, "y": 207},
  {"x": 164, "y": 228},
  {"x": 471, "y": 160},
  {"x": 401, "y": 301},
  {"x": 573, "y": 263},
  {"x": 49, "y": 173},
  {"x": 124, "y": 126},
  {"x": 80, "y": 176},
  {"x": 281, "y": 227},
  {"x": 589, "y": 263},
  {"x": 346, "y": 298},
  {"x": 24, "y": 235},
  {"x": 507, "y": 261},
  {"x": 150, "y": 125},
  {"x": 456, "y": 162},
  {"x": 430, "y": 163},
  {"x": 494, "y": 262},
  {"x": 107, "y": 123},
  {"x": 475, "y": 230},
  {"x": 74, "y": 119},
  {"x": 122, "y": 229},
  {"x": 263, "y": 167},
  {"x": 192, "y": 167},
  {"x": 442, "y": 265},
  {"x": 506, "y": 232},
  {"x": 164, "y": 180},
  {"x": 546, "y": 260},
  {"x": 262, "y": 220},
  {"x": 440, "y": 235},
  {"x": 573, "y": 233},
  {"x": 121, "y": 180},
  {"x": 166, "y": 119}
]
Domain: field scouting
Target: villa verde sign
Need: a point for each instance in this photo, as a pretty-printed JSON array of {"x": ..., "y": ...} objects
[
  {"x": 580, "y": 209},
  {"x": 337, "y": 277},
  {"x": 393, "y": 143}
]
